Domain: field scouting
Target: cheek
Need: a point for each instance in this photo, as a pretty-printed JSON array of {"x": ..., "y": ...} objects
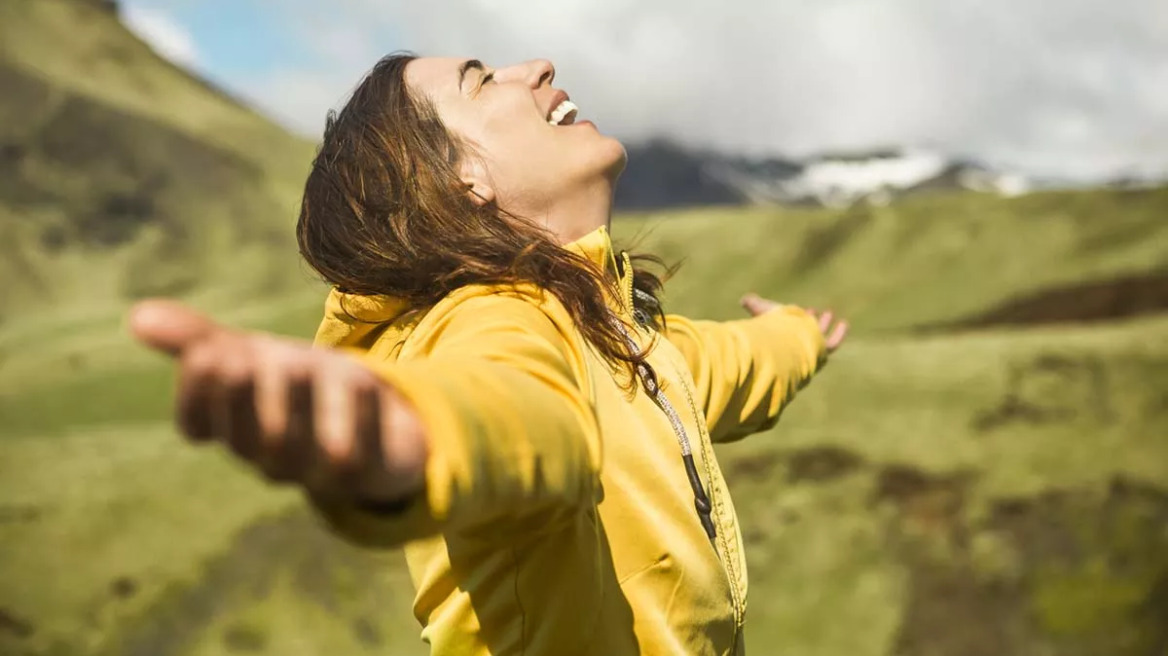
[{"x": 510, "y": 141}]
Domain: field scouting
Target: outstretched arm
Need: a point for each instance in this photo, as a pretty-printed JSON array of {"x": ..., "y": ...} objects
[
  {"x": 491, "y": 422},
  {"x": 747, "y": 371}
]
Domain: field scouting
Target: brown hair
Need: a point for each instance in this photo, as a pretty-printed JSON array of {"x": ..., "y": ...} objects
[{"x": 385, "y": 213}]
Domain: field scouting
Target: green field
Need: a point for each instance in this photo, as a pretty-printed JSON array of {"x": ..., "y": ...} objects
[{"x": 1003, "y": 490}]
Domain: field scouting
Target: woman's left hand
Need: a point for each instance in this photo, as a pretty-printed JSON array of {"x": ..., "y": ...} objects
[{"x": 834, "y": 330}]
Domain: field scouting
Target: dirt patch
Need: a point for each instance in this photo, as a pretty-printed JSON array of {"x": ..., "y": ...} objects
[
  {"x": 1068, "y": 572},
  {"x": 1104, "y": 300},
  {"x": 759, "y": 467},
  {"x": 13, "y": 625},
  {"x": 925, "y": 501},
  {"x": 949, "y": 614},
  {"x": 245, "y": 638},
  {"x": 124, "y": 587},
  {"x": 367, "y": 632},
  {"x": 293, "y": 547},
  {"x": 19, "y": 514},
  {"x": 1050, "y": 389},
  {"x": 821, "y": 464}
]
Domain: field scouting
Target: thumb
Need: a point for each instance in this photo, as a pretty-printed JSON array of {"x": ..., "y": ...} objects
[
  {"x": 757, "y": 305},
  {"x": 169, "y": 326}
]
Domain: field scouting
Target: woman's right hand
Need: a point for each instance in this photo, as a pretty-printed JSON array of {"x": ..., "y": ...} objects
[{"x": 298, "y": 414}]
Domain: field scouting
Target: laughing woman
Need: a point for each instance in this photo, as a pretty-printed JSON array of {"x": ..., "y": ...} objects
[{"x": 502, "y": 393}]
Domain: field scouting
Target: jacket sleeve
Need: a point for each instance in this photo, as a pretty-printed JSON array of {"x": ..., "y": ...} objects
[
  {"x": 510, "y": 428},
  {"x": 747, "y": 371}
]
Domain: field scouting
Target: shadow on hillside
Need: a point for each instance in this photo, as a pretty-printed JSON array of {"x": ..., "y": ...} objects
[
  {"x": 1104, "y": 300},
  {"x": 1068, "y": 571},
  {"x": 290, "y": 547}
]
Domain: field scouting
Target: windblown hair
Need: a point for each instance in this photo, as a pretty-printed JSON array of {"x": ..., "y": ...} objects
[{"x": 386, "y": 213}]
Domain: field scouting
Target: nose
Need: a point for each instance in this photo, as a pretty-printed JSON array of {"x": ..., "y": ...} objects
[
  {"x": 540, "y": 72},
  {"x": 534, "y": 73}
]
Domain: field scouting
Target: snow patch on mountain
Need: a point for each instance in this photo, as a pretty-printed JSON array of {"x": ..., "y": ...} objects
[{"x": 878, "y": 178}]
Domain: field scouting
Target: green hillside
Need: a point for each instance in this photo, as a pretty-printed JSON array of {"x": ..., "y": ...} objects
[
  {"x": 982, "y": 470},
  {"x": 1011, "y": 482},
  {"x": 125, "y": 176},
  {"x": 925, "y": 261}
]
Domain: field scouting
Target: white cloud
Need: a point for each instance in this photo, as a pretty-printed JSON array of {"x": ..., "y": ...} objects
[
  {"x": 168, "y": 38},
  {"x": 1076, "y": 87},
  {"x": 300, "y": 100}
]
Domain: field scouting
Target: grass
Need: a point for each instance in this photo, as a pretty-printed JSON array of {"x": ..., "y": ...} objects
[
  {"x": 906, "y": 446},
  {"x": 125, "y": 175},
  {"x": 925, "y": 260},
  {"x": 922, "y": 483},
  {"x": 100, "y": 59}
]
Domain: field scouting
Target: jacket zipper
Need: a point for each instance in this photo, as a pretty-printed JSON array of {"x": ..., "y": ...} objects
[
  {"x": 701, "y": 500},
  {"x": 702, "y": 503},
  {"x": 730, "y": 565}
]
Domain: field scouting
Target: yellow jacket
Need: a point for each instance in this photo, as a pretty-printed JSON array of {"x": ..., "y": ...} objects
[{"x": 557, "y": 516}]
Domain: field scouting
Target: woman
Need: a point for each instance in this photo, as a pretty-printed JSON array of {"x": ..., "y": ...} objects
[{"x": 503, "y": 396}]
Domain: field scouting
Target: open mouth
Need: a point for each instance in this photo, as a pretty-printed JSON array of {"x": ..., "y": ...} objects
[{"x": 563, "y": 113}]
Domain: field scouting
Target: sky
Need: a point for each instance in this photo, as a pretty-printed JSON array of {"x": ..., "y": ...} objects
[{"x": 1063, "y": 88}]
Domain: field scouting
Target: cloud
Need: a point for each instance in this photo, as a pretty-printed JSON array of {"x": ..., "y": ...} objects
[
  {"x": 301, "y": 99},
  {"x": 1076, "y": 87},
  {"x": 168, "y": 38}
]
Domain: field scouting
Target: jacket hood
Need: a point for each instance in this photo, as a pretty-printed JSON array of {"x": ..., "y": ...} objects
[{"x": 353, "y": 320}]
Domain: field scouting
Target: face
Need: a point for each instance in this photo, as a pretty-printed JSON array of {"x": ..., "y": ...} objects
[{"x": 532, "y": 150}]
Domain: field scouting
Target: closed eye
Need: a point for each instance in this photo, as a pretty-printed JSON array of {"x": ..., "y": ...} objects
[{"x": 489, "y": 77}]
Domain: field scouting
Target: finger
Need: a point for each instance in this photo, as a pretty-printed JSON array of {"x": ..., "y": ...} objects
[
  {"x": 295, "y": 458},
  {"x": 371, "y": 433},
  {"x": 193, "y": 406},
  {"x": 335, "y": 410},
  {"x": 837, "y": 336},
  {"x": 272, "y": 379},
  {"x": 169, "y": 327},
  {"x": 235, "y": 412},
  {"x": 392, "y": 449},
  {"x": 757, "y": 305},
  {"x": 825, "y": 320},
  {"x": 404, "y": 447}
]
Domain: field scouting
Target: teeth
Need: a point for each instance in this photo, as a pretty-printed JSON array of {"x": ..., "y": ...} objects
[{"x": 562, "y": 112}]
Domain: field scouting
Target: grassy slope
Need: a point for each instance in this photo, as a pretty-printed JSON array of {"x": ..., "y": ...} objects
[
  {"x": 93, "y": 54},
  {"x": 996, "y": 492},
  {"x": 125, "y": 175},
  {"x": 925, "y": 260},
  {"x": 920, "y": 484}
]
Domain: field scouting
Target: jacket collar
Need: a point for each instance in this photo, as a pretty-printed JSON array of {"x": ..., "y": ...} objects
[
  {"x": 353, "y": 319},
  {"x": 596, "y": 247}
]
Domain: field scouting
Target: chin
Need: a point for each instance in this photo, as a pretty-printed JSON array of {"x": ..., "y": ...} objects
[{"x": 615, "y": 158}]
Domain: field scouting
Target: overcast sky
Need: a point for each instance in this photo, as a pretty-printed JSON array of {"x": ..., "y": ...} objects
[{"x": 1054, "y": 87}]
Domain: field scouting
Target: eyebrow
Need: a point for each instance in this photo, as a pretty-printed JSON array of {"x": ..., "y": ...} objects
[{"x": 468, "y": 65}]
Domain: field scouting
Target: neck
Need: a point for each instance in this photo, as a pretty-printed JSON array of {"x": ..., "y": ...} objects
[{"x": 571, "y": 216}]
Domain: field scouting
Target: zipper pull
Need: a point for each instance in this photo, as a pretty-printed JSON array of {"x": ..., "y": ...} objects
[{"x": 701, "y": 501}]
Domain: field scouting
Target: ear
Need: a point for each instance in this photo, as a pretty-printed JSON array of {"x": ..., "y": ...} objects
[{"x": 474, "y": 176}]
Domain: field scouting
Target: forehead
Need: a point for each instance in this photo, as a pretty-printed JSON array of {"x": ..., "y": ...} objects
[{"x": 434, "y": 76}]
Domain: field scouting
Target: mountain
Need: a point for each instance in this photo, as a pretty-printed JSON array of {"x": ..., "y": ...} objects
[
  {"x": 663, "y": 174},
  {"x": 122, "y": 175}
]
